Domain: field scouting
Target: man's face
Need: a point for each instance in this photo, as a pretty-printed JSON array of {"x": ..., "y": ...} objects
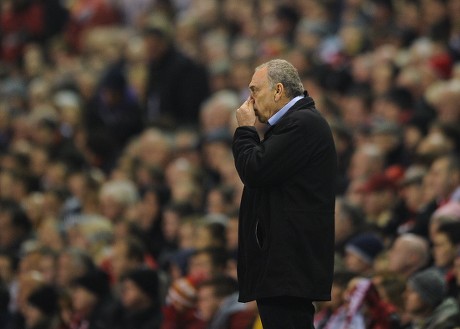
[
  {"x": 83, "y": 300},
  {"x": 132, "y": 296},
  {"x": 413, "y": 196},
  {"x": 355, "y": 263},
  {"x": 444, "y": 252},
  {"x": 397, "y": 256},
  {"x": 207, "y": 303},
  {"x": 8, "y": 233},
  {"x": 32, "y": 315},
  {"x": 413, "y": 303},
  {"x": 119, "y": 260},
  {"x": 6, "y": 269},
  {"x": 200, "y": 265},
  {"x": 263, "y": 95},
  {"x": 440, "y": 177}
]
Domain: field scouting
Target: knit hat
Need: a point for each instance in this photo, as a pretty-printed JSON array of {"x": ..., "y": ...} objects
[
  {"x": 430, "y": 286},
  {"x": 45, "y": 299},
  {"x": 147, "y": 281},
  {"x": 366, "y": 246},
  {"x": 95, "y": 281},
  {"x": 182, "y": 292}
]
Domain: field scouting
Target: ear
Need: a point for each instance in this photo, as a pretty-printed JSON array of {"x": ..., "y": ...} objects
[{"x": 279, "y": 90}]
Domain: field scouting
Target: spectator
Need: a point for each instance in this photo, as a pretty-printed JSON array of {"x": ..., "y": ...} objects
[
  {"x": 115, "y": 110},
  {"x": 210, "y": 235},
  {"x": 219, "y": 199},
  {"x": 91, "y": 234},
  {"x": 388, "y": 137},
  {"x": 366, "y": 161},
  {"x": 15, "y": 226},
  {"x": 379, "y": 198},
  {"x": 141, "y": 300},
  {"x": 85, "y": 15},
  {"x": 349, "y": 222},
  {"x": 22, "y": 22},
  {"x": 363, "y": 308},
  {"x": 216, "y": 110},
  {"x": 153, "y": 200},
  {"x": 450, "y": 212},
  {"x": 72, "y": 263},
  {"x": 127, "y": 254},
  {"x": 425, "y": 301},
  {"x": 93, "y": 306},
  {"x": 28, "y": 281},
  {"x": 116, "y": 196},
  {"x": 42, "y": 309},
  {"x": 171, "y": 73},
  {"x": 180, "y": 309},
  {"x": 408, "y": 254},
  {"x": 412, "y": 212},
  {"x": 391, "y": 287},
  {"x": 361, "y": 252},
  {"x": 218, "y": 304},
  {"x": 444, "y": 178},
  {"x": 328, "y": 311},
  {"x": 446, "y": 244}
]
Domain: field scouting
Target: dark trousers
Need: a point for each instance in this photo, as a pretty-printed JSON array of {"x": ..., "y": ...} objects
[{"x": 286, "y": 312}]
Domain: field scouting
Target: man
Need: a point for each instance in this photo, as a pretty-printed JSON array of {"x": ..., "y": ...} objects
[
  {"x": 286, "y": 231},
  {"x": 427, "y": 304},
  {"x": 140, "y": 299},
  {"x": 180, "y": 309},
  {"x": 328, "y": 310},
  {"x": 93, "y": 305},
  {"x": 379, "y": 197},
  {"x": 361, "y": 253},
  {"x": 15, "y": 226},
  {"x": 349, "y": 222},
  {"x": 444, "y": 179},
  {"x": 408, "y": 254},
  {"x": 42, "y": 307},
  {"x": 217, "y": 304},
  {"x": 176, "y": 85},
  {"x": 128, "y": 254},
  {"x": 71, "y": 264}
]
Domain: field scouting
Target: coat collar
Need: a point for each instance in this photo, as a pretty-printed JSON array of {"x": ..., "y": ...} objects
[{"x": 304, "y": 103}]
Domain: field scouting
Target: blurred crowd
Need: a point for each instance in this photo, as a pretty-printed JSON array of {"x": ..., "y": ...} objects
[{"x": 118, "y": 194}]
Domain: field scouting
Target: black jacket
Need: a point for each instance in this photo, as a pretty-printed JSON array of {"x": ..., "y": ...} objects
[
  {"x": 286, "y": 232},
  {"x": 149, "y": 318},
  {"x": 176, "y": 88}
]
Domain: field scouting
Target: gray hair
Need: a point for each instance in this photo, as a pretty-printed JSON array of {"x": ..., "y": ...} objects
[{"x": 281, "y": 71}]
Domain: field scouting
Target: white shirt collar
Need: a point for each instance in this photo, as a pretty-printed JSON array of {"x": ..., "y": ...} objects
[{"x": 278, "y": 115}]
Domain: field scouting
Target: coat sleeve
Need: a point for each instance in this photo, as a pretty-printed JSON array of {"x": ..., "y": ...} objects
[{"x": 290, "y": 148}]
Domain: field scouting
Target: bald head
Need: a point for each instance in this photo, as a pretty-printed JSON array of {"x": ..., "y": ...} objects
[{"x": 408, "y": 254}]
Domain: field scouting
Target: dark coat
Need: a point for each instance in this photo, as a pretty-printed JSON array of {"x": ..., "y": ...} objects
[
  {"x": 176, "y": 88},
  {"x": 149, "y": 318},
  {"x": 286, "y": 231}
]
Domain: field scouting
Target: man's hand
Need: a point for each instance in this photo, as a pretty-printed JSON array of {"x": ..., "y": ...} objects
[{"x": 245, "y": 115}]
